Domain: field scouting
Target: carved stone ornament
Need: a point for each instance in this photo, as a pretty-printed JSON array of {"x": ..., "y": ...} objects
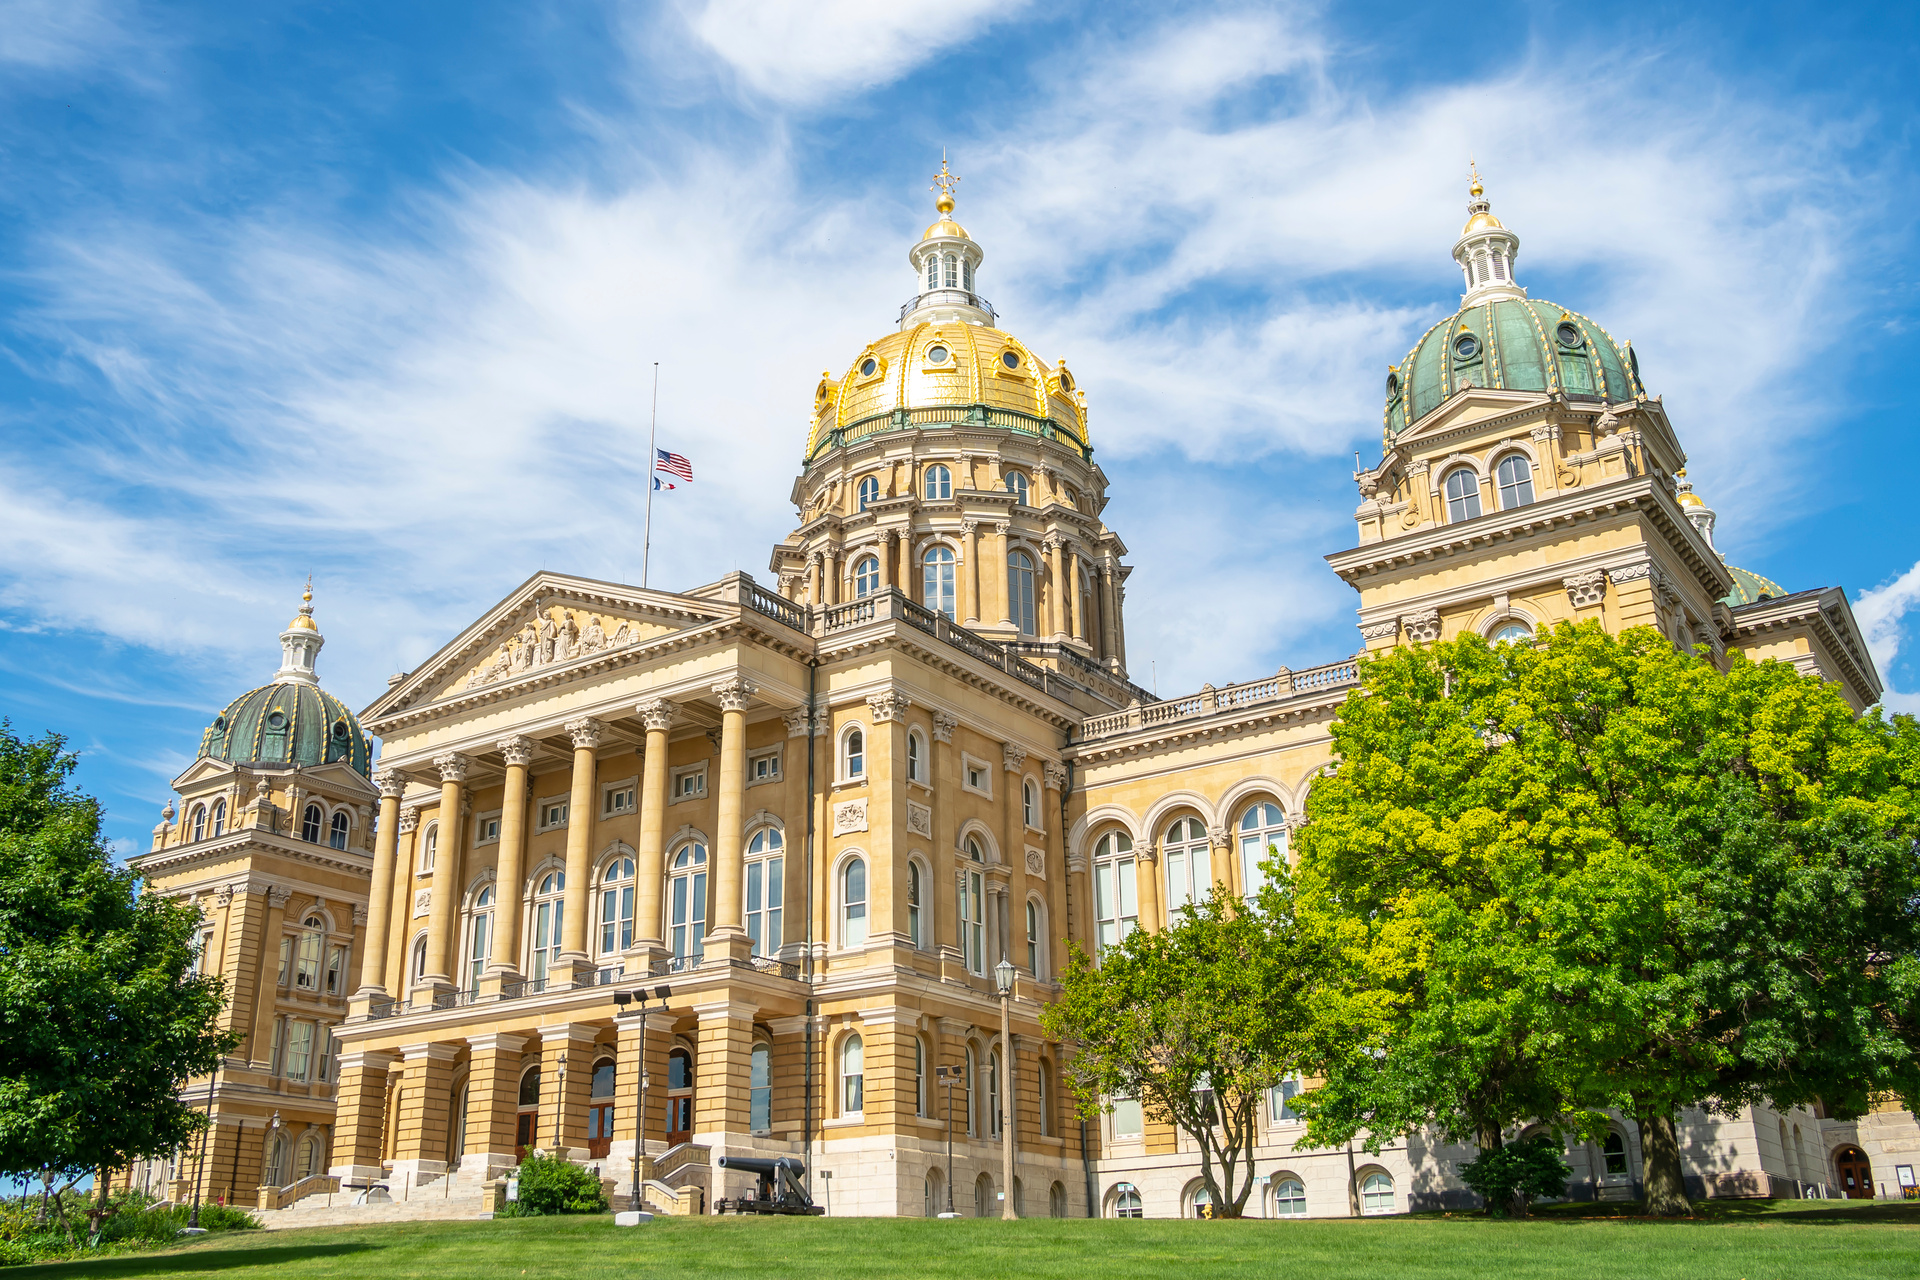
[
  {"x": 1037, "y": 864},
  {"x": 166, "y": 812},
  {"x": 277, "y": 895},
  {"x": 1586, "y": 589},
  {"x": 517, "y": 750},
  {"x": 359, "y": 915},
  {"x": 1632, "y": 572},
  {"x": 1607, "y": 423},
  {"x": 545, "y": 639},
  {"x": 409, "y": 818},
  {"x": 657, "y": 714},
  {"x": 452, "y": 766},
  {"x": 1217, "y": 837},
  {"x": 1056, "y": 777},
  {"x": 422, "y": 902},
  {"x": 1381, "y": 630},
  {"x": 850, "y": 816},
  {"x": 796, "y": 722},
  {"x": 1015, "y": 757},
  {"x": 585, "y": 732},
  {"x": 944, "y": 723},
  {"x": 735, "y": 693},
  {"x": 920, "y": 819},
  {"x": 1422, "y": 627},
  {"x": 1076, "y": 864},
  {"x": 392, "y": 783},
  {"x": 1148, "y": 853},
  {"x": 223, "y": 895},
  {"x": 888, "y": 706}
]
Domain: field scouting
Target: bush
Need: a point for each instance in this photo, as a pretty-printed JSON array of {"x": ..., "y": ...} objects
[
  {"x": 135, "y": 1225},
  {"x": 1517, "y": 1173},
  {"x": 549, "y": 1184}
]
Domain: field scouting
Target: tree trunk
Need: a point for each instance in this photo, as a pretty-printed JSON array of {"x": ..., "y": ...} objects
[{"x": 1660, "y": 1167}]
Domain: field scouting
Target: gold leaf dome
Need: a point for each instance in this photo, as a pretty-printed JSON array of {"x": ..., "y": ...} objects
[{"x": 945, "y": 227}]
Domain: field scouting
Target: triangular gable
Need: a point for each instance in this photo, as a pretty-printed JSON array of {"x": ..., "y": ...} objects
[
  {"x": 1466, "y": 407},
  {"x": 205, "y": 769},
  {"x": 550, "y": 619}
]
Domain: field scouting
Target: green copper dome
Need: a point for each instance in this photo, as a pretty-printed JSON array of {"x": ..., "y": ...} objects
[
  {"x": 289, "y": 723},
  {"x": 1518, "y": 344},
  {"x": 1749, "y": 587}
]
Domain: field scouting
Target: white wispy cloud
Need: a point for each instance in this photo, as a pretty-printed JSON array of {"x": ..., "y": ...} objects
[{"x": 1882, "y": 614}]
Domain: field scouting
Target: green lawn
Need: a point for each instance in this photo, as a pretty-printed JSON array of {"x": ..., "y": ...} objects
[{"x": 1786, "y": 1240}]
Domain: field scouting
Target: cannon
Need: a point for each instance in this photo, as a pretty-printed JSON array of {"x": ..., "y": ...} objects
[{"x": 780, "y": 1189}]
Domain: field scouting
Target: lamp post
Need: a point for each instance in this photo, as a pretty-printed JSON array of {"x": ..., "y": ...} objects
[
  {"x": 200, "y": 1165},
  {"x": 949, "y": 1076},
  {"x": 1003, "y": 978},
  {"x": 623, "y": 999}
]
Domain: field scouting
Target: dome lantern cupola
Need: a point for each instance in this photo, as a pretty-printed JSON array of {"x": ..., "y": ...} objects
[
  {"x": 944, "y": 262},
  {"x": 300, "y": 645},
  {"x": 1485, "y": 251}
]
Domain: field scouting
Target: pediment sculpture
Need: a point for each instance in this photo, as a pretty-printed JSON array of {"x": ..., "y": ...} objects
[{"x": 553, "y": 634}]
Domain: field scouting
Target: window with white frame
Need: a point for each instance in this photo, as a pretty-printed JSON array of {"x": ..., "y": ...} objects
[
  {"x": 1277, "y": 1099},
  {"x": 689, "y": 782},
  {"x": 1289, "y": 1199},
  {"x": 973, "y": 928},
  {"x": 950, "y": 271},
  {"x": 323, "y": 1053},
  {"x": 971, "y": 1066},
  {"x": 760, "y": 1088},
  {"x": 1510, "y": 632},
  {"x": 937, "y": 581},
  {"x": 337, "y": 970},
  {"x": 919, "y": 1076},
  {"x": 549, "y": 915},
  {"x": 853, "y": 754},
  {"x": 915, "y": 880},
  {"x": 337, "y": 830},
  {"x": 1463, "y": 494},
  {"x": 763, "y": 766},
  {"x": 310, "y": 824},
  {"x": 1262, "y": 828},
  {"x": 687, "y": 902},
  {"x": 1126, "y": 1201},
  {"x": 620, "y": 798},
  {"x": 419, "y": 959},
  {"x": 939, "y": 485},
  {"x": 1376, "y": 1193},
  {"x": 993, "y": 1092},
  {"x": 866, "y": 577},
  {"x": 299, "y": 1050},
  {"x": 1515, "y": 478},
  {"x": 219, "y": 818},
  {"x": 616, "y": 906},
  {"x": 479, "y": 938},
  {"x": 1126, "y": 1118},
  {"x": 1115, "y": 891},
  {"x": 765, "y": 889},
  {"x": 552, "y": 814},
  {"x": 853, "y": 902},
  {"x": 1017, "y": 486},
  {"x": 486, "y": 828},
  {"x": 1033, "y": 939},
  {"x": 1189, "y": 869},
  {"x": 916, "y": 757},
  {"x": 306, "y": 969},
  {"x": 199, "y": 822},
  {"x": 852, "y": 1076},
  {"x": 976, "y": 775},
  {"x": 1030, "y": 803},
  {"x": 1020, "y": 608},
  {"x": 429, "y": 845},
  {"x": 869, "y": 492},
  {"x": 1043, "y": 1092}
]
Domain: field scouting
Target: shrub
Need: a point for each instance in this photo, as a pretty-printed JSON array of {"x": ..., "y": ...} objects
[
  {"x": 1512, "y": 1175},
  {"x": 549, "y": 1184}
]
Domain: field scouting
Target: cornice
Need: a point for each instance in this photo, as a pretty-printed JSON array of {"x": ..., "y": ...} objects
[
  {"x": 1825, "y": 614},
  {"x": 180, "y": 858},
  {"x": 1319, "y": 704}
]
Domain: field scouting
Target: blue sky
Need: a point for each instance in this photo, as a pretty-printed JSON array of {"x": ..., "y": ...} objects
[{"x": 375, "y": 291}]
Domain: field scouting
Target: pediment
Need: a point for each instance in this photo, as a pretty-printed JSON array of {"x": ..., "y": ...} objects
[
  {"x": 550, "y": 621},
  {"x": 1467, "y": 408},
  {"x": 205, "y": 769}
]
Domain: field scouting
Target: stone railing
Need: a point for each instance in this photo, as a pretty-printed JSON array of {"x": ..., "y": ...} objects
[
  {"x": 272, "y": 1198},
  {"x": 1209, "y": 701}
]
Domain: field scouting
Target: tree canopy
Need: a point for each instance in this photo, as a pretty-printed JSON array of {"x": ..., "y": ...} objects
[{"x": 102, "y": 1017}]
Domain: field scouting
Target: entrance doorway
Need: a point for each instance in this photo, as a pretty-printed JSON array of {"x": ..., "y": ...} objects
[
  {"x": 679, "y": 1097},
  {"x": 1850, "y": 1164},
  {"x": 527, "y": 1132},
  {"x": 600, "y": 1110}
]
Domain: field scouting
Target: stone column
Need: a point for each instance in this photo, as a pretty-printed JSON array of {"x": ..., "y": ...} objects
[
  {"x": 493, "y": 1102},
  {"x": 1077, "y": 575},
  {"x": 887, "y": 819},
  {"x": 816, "y": 596},
  {"x": 885, "y": 551},
  {"x": 643, "y": 1044},
  {"x": 1109, "y": 647},
  {"x": 260, "y": 1052},
  {"x": 723, "y": 1076},
  {"x": 1146, "y": 879},
  {"x": 360, "y": 1116},
  {"x": 1015, "y": 777},
  {"x": 566, "y": 1081},
  {"x": 373, "y": 962},
  {"x": 400, "y": 908},
  {"x": 1056, "y": 549},
  {"x": 997, "y": 574},
  {"x": 509, "y": 891},
  {"x": 725, "y": 932},
  {"x": 426, "y": 1106},
  {"x": 1059, "y": 913},
  {"x": 970, "y": 610},
  {"x": 943, "y": 901},
  {"x": 648, "y": 920},
  {"x": 832, "y": 567},
  {"x": 444, "y": 913},
  {"x": 586, "y": 733},
  {"x": 794, "y": 789}
]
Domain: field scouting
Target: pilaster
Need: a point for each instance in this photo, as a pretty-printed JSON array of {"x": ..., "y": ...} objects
[
  {"x": 360, "y": 1116},
  {"x": 566, "y": 1080},
  {"x": 725, "y": 1067},
  {"x": 425, "y": 1106},
  {"x": 493, "y": 1098}
]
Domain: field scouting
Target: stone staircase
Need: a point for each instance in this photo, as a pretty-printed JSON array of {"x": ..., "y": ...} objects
[{"x": 459, "y": 1197}]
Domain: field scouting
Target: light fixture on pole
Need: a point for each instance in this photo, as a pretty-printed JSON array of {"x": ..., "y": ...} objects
[
  {"x": 949, "y": 1076},
  {"x": 1003, "y": 974},
  {"x": 623, "y": 999},
  {"x": 200, "y": 1165}
]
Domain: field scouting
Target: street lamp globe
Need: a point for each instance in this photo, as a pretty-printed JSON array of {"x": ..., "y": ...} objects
[{"x": 1003, "y": 976}]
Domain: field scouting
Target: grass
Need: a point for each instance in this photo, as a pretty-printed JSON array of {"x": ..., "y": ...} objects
[{"x": 1747, "y": 1240}]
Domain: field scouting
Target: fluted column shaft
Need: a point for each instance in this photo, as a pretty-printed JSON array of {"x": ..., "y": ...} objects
[
  {"x": 585, "y": 733},
  {"x": 725, "y": 931},
  {"x": 1077, "y": 575},
  {"x": 443, "y": 914},
  {"x": 1057, "y": 609},
  {"x": 997, "y": 574},
  {"x": 373, "y": 960},
  {"x": 970, "y": 610},
  {"x": 657, "y": 714},
  {"x": 508, "y": 892}
]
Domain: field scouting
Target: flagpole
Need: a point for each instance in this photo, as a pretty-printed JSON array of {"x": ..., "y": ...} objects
[{"x": 653, "y": 457}]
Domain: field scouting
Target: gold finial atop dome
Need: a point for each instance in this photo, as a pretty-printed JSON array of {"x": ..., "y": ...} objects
[
  {"x": 1479, "y": 212},
  {"x": 303, "y": 621},
  {"x": 1473, "y": 171},
  {"x": 944, "y": 182},
  {"x": 1685, "y": 495}
]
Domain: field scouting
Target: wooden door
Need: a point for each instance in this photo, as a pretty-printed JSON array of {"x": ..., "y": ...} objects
[
  {"x": 523, "y": 1139},
  {"x": 599, "y": 1129},
  {"x": 1855, "y": 1173}
]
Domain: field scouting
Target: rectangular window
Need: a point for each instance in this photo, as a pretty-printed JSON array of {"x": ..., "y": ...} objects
[
  {"x": 553, "y": 814},
  {"x": 337, "y": 971},
  {"x": 299, "y": 1049},
  {"x": 976, "y": 775},
  {"x": 306, "y": 971},
  {"x": 690, "y": 783},
  {"x": 1278, "y": 1097},
  {"x": 279, "y": 1035},
  {"x": 323, "y": 1058},
  {"x": 203, "y": 954},
  {"x": 1126, "y": 1118},
  {"x": 286, "y": 961},
  {"x": 486, "y": 829},
  {"x": 619, "y": 800},
  {"x": 765, "y": 889},
  {"x": 764, "y": 767},
  {"x": 1114, "y": 892},
  {"x": 913, "y": 902},
  {"x": 973, "y": 930}
]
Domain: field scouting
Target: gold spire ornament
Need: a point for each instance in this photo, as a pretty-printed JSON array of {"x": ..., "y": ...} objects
[
  {"x": 944, "y": 182},
  {"x": 1473, "y": 171}
]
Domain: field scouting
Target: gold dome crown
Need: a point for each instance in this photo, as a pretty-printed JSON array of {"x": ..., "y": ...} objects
[{"x": 303, "y": 620}]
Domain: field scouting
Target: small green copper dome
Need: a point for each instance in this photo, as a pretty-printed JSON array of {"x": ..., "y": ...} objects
[
  {"x": 1518, "y": 344},
  {"x": 288, "y": 723},
  {"x": 1749, "y": 587}
]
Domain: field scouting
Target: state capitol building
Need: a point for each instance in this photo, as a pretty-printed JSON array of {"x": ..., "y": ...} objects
[{"x": 821, "y": 808}]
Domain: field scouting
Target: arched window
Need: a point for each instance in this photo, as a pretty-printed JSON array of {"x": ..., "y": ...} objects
[
  {"x": 429, "y": 843},
  {"x": 1043, "y": 1091},
  {"x": 1114, "y": 890},
  {"x": 866, "y": 577},
  {"x": 600, "y": 1108},
  {"x": 853, "y": 903},
  {"x": 679, "y": 1095},
  {"x": 913, "y": 902},
  {"x": 766, "y": 889},
  {"x": 306, "y": 969},
  {"x": 933, "y": 271},
  {"x": 337, "y": 831},
  {"x": 969, "y": 1066},
  {"x": 919, "y": 1077},
  {"x": 1030, "y": 803},
  {"x": 1126, "y": 1201},
  {"x": 687, "y": 904},
  {"x": 950, "y": 274},
  {"x": 549, "y": 911},
  {"x": 1057, "y": 1201},
  {"x": 1376, "y": 1193},
  {"x": 869, "y": 492},
  {"x": 219, "y": 818},
  {"x": 527, "y": 1131},
  {"x": 616, "y": 907},
  {"x": 853, "y": 754},
  {"x": 993, "y": 1092},
  {"x": 1510, "y": 633},
  {"x": 1262, "y": 827},
  {"x": 939, "y": 483},
  {"x": 420, "y": 958},
  {"x": 1017, "y": 486},
  {"x": 1202, "y": 1202},
  {"x": 966, "y": 275},
  {"x": 1033, "y": 939},
  {"x": 279, "y": 1157},
  {"x": 937, "y": 578},
  {"x": 916, "y": 757},
  {"x": 1020, "y": 592},
  {"x": 1189, "y": 873},
  {"x": 852, "y": 1076},
  {"x": 1614, "y": 1153},
  {"x": 760, "y": 1089},
  {"x": 1515, "y": 475},
  {"x": 1289, "y": 1199},
  {"x": 199, "y": 822},
  {"x": 1499, "y": 266},
  {"x": 973, "y": 929},
  {"x": 480, "y": 939},
  {"x": 1463, "y": 494},
  {"x": 310, "y": 824}
]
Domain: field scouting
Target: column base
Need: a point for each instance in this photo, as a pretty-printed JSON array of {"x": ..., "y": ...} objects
[
  {"x": 570, "y": 970},
  {"x": 419, "y": 1168},
  {"x": 357, "y": 1175},
  {"x": 734, "y": 943},
  {"x": 488, "y": 1164},
  {"x": 642, "y": 956}
]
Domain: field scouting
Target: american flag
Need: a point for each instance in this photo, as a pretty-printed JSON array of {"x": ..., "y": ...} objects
[{"x": 673, "y": 464}]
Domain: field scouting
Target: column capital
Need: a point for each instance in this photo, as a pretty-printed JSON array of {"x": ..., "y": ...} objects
[
  {"x": 585, "y": 732},
  {"x": 657, "y": 713},
  {"x": 944, "y": 723},
  {"x": 367, "y": 1060},
  {"x": 735, "y": 693},
  {"x": 1014, "y": 757},
  {"x": 796, "y": 722},
  {"x": 1001, "y": 526},
  {"x": 577, "y": 1032},
  {"x": 969, "y": 526},
  {"x": 791, "y": 1025},
  {"x": 726, "y": 1010},
  {"x": 435, "y": 1051},
  {"x": 277, "y": 896},
  {"x": 497, "y": 1042},
  {"x": 516, "y": 750},
  {"x": 409, "y": 818},
  {"x": 452, "y": 766},
  {"x": 359, "y": 914},
  {"x": 392, "y": 783},
  {"x": 888, "y": 706},
  {"x": 1056, "y": 776}
]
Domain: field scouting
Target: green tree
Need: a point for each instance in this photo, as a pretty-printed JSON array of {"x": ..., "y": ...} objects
[
  {"x": 1197, "y": 1022},
  {"x": 102, "y": 1018},
  {"x": 1633, "y": 880},
  {"x": 1513, "y": 1175}
]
